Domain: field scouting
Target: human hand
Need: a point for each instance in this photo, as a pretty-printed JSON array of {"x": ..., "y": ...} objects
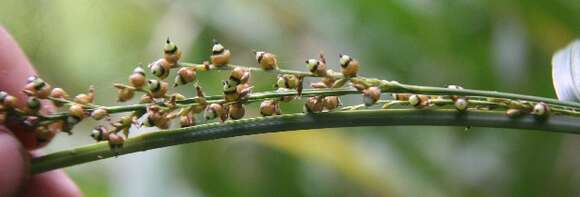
[{"x": 17, "y": 144}]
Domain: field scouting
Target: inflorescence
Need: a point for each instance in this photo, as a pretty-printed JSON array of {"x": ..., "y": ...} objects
[{"x": 158, "y": 107}]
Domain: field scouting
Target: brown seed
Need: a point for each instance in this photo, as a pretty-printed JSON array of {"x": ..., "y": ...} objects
[
  {"x": 100, "y": 133},
  {"x": 214, "y": 111},
  {"x": 158, "y": 88},
  {"x": 44, "y": 92},
  {"x": 38, "y": 88},
  {"x": 316, "y": 67},
  {"x": 187, "y": 120},
  {"x": 116, "y": 140},
  {"x": 288, "y": 81},
  {"x": 99, "y": 113},
  {"x": 314, "y": 104},
  {"x": 160, "y": 68},
  {"x": 371, "y": 95},
  {"x": 328, "y": 81},
  {"x": 461, "y": 104},
  {"x": 221, "y": 59},
  {"x": 184, "y": 76},
  {"x": 266, "y": 60},
  {"x": 244, "y": 89},
  {"x": 10, "y": 101},
  {"x": 86, "y": 98},
  {"x": 137, "y": 79},
  {"x": 269, "y": 108},
  {"x": 331, "y": 102},
  {"x": 541, "y": 110},
  {"x": 125, "y": 94},
  {"x": 146, "y": 98},
  {"x": 239, "y": 75},
  {"x": 163, "y": 123},
  {"x": 237, "y": 111},
  {"x": 171, "y": 52},
  {"x": 58, "y": 93},
  {"x": 349, "y": 66},
  {"x": 419, "y": 101},
  {"x": 401, "y": 96},
  {"x": 43, "y": 135},
  {"x": 220, "y": 55},
  {"x": 33, "y": 105},
  {"x": 77, "y": 110}
]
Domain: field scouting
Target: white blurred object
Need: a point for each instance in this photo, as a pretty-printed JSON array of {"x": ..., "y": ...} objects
[{"x": 566, "y": 72}]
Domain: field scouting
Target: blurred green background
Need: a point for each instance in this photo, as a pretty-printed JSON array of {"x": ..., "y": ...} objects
[{"x": 491, "y": 45}]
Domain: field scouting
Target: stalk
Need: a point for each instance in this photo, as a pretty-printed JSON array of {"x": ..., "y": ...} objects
[{"x": 302, "y": 121}]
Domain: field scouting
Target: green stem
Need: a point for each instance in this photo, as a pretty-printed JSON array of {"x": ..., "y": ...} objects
[
  {"x": 301, "y": 121},
  {"x": 396, "y": 87}
]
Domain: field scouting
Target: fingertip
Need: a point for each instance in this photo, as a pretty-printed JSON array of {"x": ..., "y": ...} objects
[
  {"x": 15, "y": 69},
  {"x": 52, "y": 183},
  {"x": 14, "y": 165}
]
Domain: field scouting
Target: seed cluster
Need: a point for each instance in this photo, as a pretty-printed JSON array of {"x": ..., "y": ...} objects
[{"x": 161, "y": 106}]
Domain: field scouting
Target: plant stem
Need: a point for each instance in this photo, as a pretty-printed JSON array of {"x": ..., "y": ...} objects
[
  {"x": 396, "y": 87},
  {"x": 301, "y": 121}
]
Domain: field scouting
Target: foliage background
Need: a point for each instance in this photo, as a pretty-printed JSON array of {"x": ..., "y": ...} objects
[{"x": 492, "y": 45}]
